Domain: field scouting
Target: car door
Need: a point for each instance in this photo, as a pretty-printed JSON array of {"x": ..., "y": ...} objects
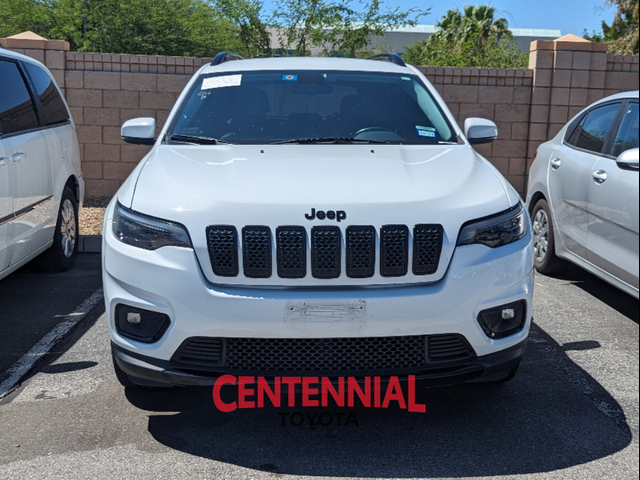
[
  {"x": 26, "y": 149},
  {"x": 613, "y": 206},
  {"x": 6, "y": 206},
  {"x": 570, "y": 168}
]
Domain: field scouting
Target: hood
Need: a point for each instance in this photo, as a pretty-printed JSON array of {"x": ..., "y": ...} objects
[{"x": 374, "y": 185}]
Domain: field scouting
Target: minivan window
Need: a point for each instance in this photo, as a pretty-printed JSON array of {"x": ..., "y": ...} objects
[
  {"x": 627, "y": 137},
  {"x": 53, "y": 107},
  {"x": 17, "y": 112},
  {"x": 286, "y": 106},
  {"x": 592, "y": 131}
]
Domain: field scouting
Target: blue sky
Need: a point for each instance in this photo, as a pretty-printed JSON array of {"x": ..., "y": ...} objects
[{"x": 568, "y": 16}]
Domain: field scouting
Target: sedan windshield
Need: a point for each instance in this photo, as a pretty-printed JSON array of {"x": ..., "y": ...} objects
[{"x": 310, "y": 106}]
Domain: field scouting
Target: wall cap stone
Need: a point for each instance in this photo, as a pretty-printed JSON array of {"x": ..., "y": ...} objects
[
  {"x": 30, "y": 40},
  {"x": 569, "y": 42}
]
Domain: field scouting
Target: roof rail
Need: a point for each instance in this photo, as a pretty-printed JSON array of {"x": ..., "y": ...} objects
[
  {"x": 389, "y": 57},
  {"x": 225, "y": 57}
]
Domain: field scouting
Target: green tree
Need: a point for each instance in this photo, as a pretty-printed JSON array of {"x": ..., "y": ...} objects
[
  {"x": 152, "y": 27},
  {"x": 337, "y": 27},
  {"x": 622, "y": 34},
  {"x": 247, "y": 17},
  {"x": 471, "y": 38}
]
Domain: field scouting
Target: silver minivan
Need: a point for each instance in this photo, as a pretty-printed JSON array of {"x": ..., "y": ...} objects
[
  {"x": 583, "y": 194},
  {"x": 41, "y": 186}
]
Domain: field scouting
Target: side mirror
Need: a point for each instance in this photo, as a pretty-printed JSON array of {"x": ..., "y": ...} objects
[
  {"x": 628, "y": 160},
  {"x": 480, "y": 130},
  {"x": 139, "y": 131}
]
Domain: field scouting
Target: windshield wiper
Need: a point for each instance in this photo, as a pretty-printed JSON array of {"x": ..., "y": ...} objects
[
  {"x": 195, "y": 140},
  {"x": 329, "y": 140}
]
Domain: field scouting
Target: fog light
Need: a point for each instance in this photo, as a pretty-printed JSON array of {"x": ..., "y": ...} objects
[
  {"x": 508, "y": 313},
  {"x": 141, "y": 325},
  {"x": 505, "y": 320}
]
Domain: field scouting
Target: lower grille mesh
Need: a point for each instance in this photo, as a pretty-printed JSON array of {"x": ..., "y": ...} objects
[{"x": 326, "y": 355}]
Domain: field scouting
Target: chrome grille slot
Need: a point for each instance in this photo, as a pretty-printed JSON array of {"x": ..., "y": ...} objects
[
  {"x": 292, "y": 252},
  {"x": 394, "y": 250},
  {"x": 256, "y": 252},
  {"x": 361, "y": 251},
  {"x": 427, "y": 246},
  {"x": 222, "y": 243},
  {"x": 326, "y": 249}
]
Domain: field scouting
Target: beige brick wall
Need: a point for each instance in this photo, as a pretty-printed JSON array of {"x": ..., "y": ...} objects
[{"x": 529, "y": 106}]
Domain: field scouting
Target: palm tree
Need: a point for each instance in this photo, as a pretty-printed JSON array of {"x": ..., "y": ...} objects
[{"x": 477, "y": 22}]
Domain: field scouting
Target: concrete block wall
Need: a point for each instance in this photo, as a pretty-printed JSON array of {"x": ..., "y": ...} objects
[{"x": 528, "y": 105}]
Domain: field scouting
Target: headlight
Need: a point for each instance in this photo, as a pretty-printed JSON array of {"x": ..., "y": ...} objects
[
  {"x": 147, "y": 232},
  {"x": 497, "y": 230}
]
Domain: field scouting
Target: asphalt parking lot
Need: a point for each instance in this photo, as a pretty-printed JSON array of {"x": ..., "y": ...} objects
[{"x": 570, "y": 412}]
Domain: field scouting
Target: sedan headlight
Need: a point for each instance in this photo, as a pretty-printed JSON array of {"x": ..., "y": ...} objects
[
  {"x": 497, "y": 230},
  {"x": 147, "y": 232}
]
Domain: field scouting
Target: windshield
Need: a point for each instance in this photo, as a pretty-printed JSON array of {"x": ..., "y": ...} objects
[{"x": 310, "y": 106}]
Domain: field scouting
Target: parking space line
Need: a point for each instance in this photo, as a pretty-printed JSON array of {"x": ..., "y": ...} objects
[{"x": 19, "y": 369}]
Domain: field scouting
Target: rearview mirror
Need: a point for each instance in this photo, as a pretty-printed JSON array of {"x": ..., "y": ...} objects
[
  {"x": 139, "y": 131},
  {"x": 628, "y": 159},
  {"x": 480, "y": 130}
]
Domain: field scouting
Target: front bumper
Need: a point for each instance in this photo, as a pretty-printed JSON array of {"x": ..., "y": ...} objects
[
  {"x": 170, "y": 281},
  {"x": 149, "y": 371}
]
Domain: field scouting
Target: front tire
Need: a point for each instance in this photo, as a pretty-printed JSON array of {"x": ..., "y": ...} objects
[
  {"x": 62, "y": 254},
  {"x": 544, "y": 255}
]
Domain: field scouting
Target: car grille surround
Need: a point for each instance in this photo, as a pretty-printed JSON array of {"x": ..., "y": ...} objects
[{"x": 325, "y": 252}]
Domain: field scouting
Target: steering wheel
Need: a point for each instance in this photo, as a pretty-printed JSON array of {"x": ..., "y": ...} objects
[{"x": 372, "y": 129}]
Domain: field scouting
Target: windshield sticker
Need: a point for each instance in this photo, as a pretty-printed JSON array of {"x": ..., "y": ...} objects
[
  {"x": 220, "y": 82},
  {"x": 429, "y": 132},
  {"x": 290, "y": 78}
]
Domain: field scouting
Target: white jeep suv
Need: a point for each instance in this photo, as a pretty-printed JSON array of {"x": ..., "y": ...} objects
[
  {"x": 315, "y": 216},
  {"x": 41, "y": 186}
]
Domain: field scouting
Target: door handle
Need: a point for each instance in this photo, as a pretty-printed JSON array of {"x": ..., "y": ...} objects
[
  {"x": 18, "y": 157},
  {"x": 599, "y": 176},
  {"x": 555, "y": 163},
  {"x": 3, "y": 161}
]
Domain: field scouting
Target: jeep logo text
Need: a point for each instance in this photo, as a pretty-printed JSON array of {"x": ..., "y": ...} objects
[{"x": 329, "y": 215}]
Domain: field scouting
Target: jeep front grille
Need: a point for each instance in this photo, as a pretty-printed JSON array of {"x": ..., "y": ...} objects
[
  {"x": 394, "y": 250},
  {"x": 392, "y": 355},
  {"x": 361, "y": 252},
  {"x": 396, "y": 243},
  {"x": 256, "y": 252},
  {"x": 427, "y": 240},
  {"x": 326, "y": 247},
  {"x": 222, "y": 241},
  {"x": 292, "y": 252}
]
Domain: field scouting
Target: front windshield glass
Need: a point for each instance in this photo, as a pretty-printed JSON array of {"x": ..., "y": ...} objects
[{"x": 309, "y": 105}]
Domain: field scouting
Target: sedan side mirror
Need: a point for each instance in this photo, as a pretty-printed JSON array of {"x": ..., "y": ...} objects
[
  {"x": 628, "y": 159},
  {"x": 480, "y": 130},
  {"x": 139, "y": 131}
]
